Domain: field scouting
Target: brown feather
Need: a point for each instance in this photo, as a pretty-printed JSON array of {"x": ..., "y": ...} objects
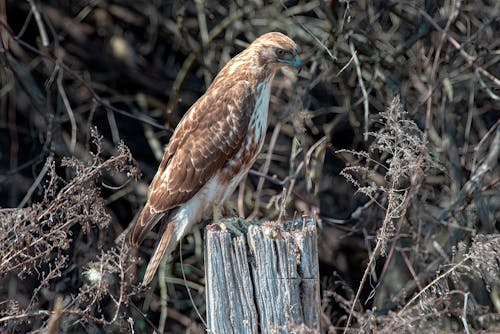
[
  {"x": 186, "y": 165},
  {"x": 166, "y": 244},
  {"x": 189, "y": 162},
  {"x": 144, "y": 223}
]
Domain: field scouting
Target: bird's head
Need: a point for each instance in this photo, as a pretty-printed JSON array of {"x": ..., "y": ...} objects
[{"x": 275, "y": 50}]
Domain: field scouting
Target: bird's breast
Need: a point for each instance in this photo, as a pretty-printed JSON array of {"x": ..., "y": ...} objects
[
  {"x": 258, "y": 121},
  {"x": 237, "y": 167},
  {"x": 256, "y": 132}
]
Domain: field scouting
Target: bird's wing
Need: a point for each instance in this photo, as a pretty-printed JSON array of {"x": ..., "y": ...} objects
[{"x": 209, "y": 134}]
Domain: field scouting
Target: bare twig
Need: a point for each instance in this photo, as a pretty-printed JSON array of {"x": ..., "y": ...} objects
[
  {"x": 67, "y": 105},
  {"x": 265, "y": 169},
  {"x": 468, "y": 58},
  {"x": 464, "y": 313},
  {"x": 187, "y": 288},
  {"x": 368, "y": 269},
  {"x": 39, "y": 23},
  {"x": 363, "y": 90},
  {"x": 83, "y": 81},
  {"x": 55, "y": 317},
  {"x": 431, "y": 284},
  {"x": 224, "y": 24},
  {"x": 475, "y": 182},
  {"x": 36, "y": 183}
]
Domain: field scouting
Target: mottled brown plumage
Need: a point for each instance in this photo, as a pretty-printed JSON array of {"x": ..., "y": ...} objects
[{"x": 214, "y": 145}]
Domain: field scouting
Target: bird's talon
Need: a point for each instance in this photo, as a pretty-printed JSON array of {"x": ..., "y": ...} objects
[{"x": 237, "y": 225}]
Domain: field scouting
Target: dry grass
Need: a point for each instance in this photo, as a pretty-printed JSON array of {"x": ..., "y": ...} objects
[{"x": 417, "y": 224}]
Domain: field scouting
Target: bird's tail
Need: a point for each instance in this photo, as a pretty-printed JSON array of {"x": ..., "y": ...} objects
[
  {"x": 166, "y": 244},
  {"x": 146, "y": 221}
]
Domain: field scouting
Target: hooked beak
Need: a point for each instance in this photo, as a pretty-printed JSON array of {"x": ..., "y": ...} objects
[{"x": 297, "y": 63}]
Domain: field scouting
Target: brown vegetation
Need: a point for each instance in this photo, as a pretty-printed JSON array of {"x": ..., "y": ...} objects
[{"x": 405, "y": 190}]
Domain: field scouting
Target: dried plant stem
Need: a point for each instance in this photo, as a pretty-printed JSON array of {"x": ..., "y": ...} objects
[
  {"x": 373, "y": 258},
  {"x": 88, "y": 86},
  {"x": 6, "y": 260},
  {"x": 202, "y": 24},
  {"x": 428, "y": 286},
  {"x": 468, "y": 58},
  {"x": 185, "y": 281},
  {"x": 265, "y": 169},
  {"x": 464, "y": 313},
  {"x": 67, "y": 105},
  {"x": 192, "y": 56},
  {"x": 55, "y": 318},
  {"x": 475, "y": 181},
  {"x": 363, "y": 90},
  {"x": 67, "y": 189},
  {"x": 39, "y": 23},
  {"x": 37, "y": 181}
]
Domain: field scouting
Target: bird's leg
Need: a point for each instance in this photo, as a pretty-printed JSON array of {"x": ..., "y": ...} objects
[
  {"x": 217, "y": 213},
  {"x": 222, "y": 211},
  {"x": 234, "y": 224},
  {"x": 228, "y": 211}
]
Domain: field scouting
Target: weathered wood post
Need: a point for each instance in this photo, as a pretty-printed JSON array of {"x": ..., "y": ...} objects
[{"x": 263, "y": 278}]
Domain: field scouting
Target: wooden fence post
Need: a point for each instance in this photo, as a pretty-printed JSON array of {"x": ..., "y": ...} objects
[{"x": 264, "y": 279}]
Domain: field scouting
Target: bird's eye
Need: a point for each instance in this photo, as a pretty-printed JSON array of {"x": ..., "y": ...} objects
[{"x": 280, "y": 52}]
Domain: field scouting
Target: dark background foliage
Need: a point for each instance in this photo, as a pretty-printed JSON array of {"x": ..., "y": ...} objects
[{"x": 92, "y": 90}]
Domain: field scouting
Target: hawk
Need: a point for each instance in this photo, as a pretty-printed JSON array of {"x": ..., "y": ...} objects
[{"x": 214, "y": 145}]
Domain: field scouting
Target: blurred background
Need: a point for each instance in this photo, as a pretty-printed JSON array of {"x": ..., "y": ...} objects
[{"x": 91, "y": 92}]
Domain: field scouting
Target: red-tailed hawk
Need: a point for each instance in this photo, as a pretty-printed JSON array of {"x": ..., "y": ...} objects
[{"x": 214, "y": 145}]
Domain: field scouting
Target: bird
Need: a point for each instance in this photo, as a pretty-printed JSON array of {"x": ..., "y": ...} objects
[{"x": 213, "y": 146}]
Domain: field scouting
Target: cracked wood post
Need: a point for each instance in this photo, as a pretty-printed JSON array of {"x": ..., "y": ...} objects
[{"x": 263, "y": 278}]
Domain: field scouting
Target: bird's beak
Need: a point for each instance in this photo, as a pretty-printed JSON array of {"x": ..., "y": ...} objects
[{"x": 297, "y": 63}]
